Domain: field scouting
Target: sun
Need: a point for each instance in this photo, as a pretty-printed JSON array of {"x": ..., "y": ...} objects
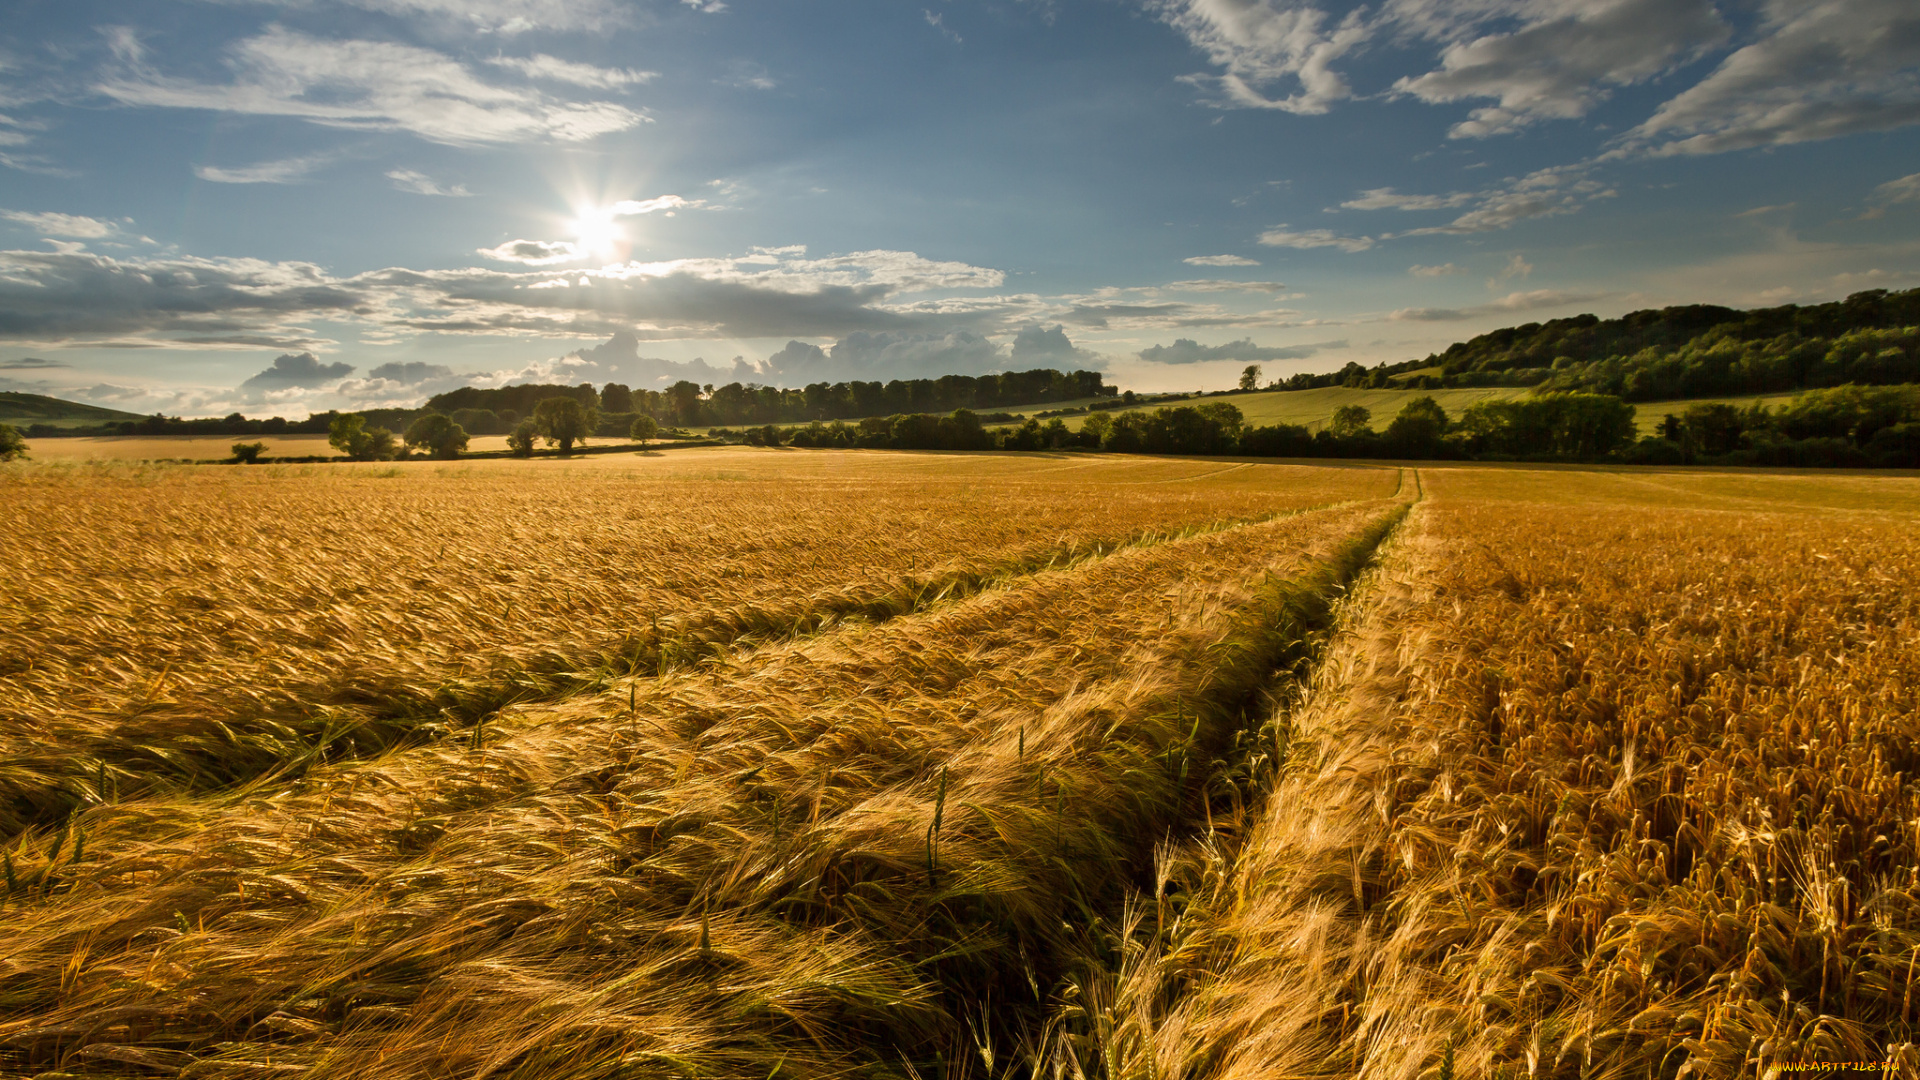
[{"x": 598, "y": 234}]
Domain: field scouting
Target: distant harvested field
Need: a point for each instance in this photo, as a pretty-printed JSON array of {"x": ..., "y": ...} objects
[
  {"x": 819, "y": 765},
  {"x": 172, "y": 447},
  {"x": 205, "y": 447}
]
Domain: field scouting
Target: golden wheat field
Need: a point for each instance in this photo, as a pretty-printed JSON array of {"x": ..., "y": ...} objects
[{"x": 821, "y": 764}]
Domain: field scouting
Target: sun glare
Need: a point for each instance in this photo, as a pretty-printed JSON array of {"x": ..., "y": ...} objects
[{"x": 598, "y": 234}]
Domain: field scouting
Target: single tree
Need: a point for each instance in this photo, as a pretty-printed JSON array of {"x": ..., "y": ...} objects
[
  {"x": 645, "y": 429},
  {"x": 1416, "y": 431},
  {"x": 616, "y": 398},
  {"x": 520, "y": 440},
  {"x": 565, "y": 421},
  {"x": 1093, "y": 431},
  {"x": 437, "y": 434},
  {"x": 1351, "y": 420},
  {"x": 1250, "y": 377},
  {"x": 349, "y": 434},
  {"x": 12, "y": 445},
  {"x": 248, "y": 453}
]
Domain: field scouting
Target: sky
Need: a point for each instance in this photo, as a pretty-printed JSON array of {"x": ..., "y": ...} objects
[{"x": 284, "y": 206}]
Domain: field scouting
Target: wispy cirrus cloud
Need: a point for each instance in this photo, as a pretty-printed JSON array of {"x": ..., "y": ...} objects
[
  {"x": 1220, "y": 260},
  {"x": 285, "y": 171},
  {"x": 420, "y": 183},
  {"x": 1219, "y": 285},
  {"x": 1906, "y": 189},
  {"x": 1820, "y": 70},
  {"x": 1563, "y": 59},
  {"x": 73, "y": 226},
  {"x": 1283, "y": 236},
  {"x": 1388, "y": 199},
  {"x": 1815, "y": 69},
  {"x": 553, "y": 69},
  {"x": 1542, "y": 193},
  {"x": 1264, "y": 48},
  {"x": 505, "y": 17},
  {"x": 374, "y": 85}
]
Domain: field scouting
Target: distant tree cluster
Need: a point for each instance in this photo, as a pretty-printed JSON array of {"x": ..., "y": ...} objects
[
  {"x": 350, "y": 435},
  {"x": 437, "y": 434},
  {"x": 12, "y": 444},
  {"x": 1841, "y": 426}
]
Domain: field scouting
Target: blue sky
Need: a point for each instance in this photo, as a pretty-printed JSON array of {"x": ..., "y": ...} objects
[{"x": 285, "y": 205}]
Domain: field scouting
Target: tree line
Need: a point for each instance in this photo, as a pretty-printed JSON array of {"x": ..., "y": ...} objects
[
  {"x": 1560, "y": 426},
  {"x": 499, "y": 410},
  {"x": 1849, "y": 425},
  {"x": 688, "y": 404},
  {"x": 1842, "y": 426}
]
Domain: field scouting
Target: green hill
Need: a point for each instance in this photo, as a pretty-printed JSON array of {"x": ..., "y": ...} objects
[
  {"x": 1694, "y": 351},
  {"x": 22, "y": 409}
]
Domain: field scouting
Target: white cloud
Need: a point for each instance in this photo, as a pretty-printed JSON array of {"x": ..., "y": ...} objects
[
  {"x": 76, "y": 298},
  {"x": 1516, "y": 267},
  {"x": 503, "y": 16},
  {"x": 1512, "y": 302},
  {"x": 124, "y": 43},
  {"x": 1564, "y": 58},
  {"x": 1146, "y": 309},
  {"x": 635, "y": 207},
  {"x": 1261, "y": 44},
  {"x": 1387, "y": 199},
  {"x": 374, "y": 85},
  {"x": 939, "y": 24},
  {"x": 554, "y": 69},
  {"x": 1442, "y": 270},
  {"x": 1218, "y": 285},
  {"x": 747, "y": 75},
  {"x": 1220, "y": 260},
  {"x": 288, "y": 171},
  {"x": 1188, "y": 351},
  {"x": 71, "y": 296},
  {"x": 55, "y": 224},
  {"x": 1904, "y": 190},
  {"x": 421, "y": 184},
  {"x": 1544, "y": 193},
  {"x": 1822, "y": 70},
  {"x": 535, "y": 252},
  {"x": 1314, "y": 238},
  {"x": 297, "y": 369}
]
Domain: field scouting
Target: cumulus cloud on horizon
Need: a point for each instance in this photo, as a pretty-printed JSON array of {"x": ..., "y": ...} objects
[
  {"x": 1188, "y": 351},
  {"x": 303, "y": 370}
]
